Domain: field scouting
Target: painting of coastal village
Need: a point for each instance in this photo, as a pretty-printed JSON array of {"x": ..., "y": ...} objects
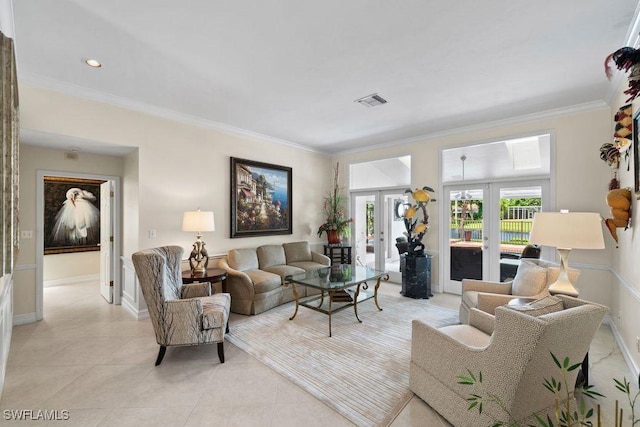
[{"x": 260, "y": 198}]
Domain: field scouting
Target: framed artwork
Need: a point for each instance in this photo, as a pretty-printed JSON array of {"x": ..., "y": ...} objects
[
  {"x": 71, "y": 215},
  {"x": 399, "y": 206},
  {"x": 260, "y": 198},
  {"x": 636, "y": 154}
]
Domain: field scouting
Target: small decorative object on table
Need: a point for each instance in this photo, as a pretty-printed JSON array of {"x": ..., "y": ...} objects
[
  {"x": 336, "y": 225},
  {"x": 198, "y": 221},
  {"x": 415, "y": 264}
]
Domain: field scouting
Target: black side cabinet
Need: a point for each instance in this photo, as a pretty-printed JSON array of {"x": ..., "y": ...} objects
[{"x": 339, "y": 254}]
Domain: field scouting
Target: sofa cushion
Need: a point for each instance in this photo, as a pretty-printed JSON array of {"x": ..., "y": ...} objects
[
  {"x": 263, "y": 281},
  {"x": 297, "y": 251},
  {"x": 284, "y": 270},
  {"x": 530, "y": 279},
  {"x": 270, "y": 255},
  {"x": 243, "y": 259},
  {"x": 307, "y": 265},
  {"x": 546, "y": 305},
  {"x": 215, "y": 310}
]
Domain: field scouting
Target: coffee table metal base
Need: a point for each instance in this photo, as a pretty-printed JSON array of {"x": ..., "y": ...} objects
[{"x": 360, "y": 294}]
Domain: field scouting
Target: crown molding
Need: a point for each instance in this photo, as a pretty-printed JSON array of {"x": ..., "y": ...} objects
[
  {"x": 557, "y": 112},
  {"x": 37, "y": 80}
]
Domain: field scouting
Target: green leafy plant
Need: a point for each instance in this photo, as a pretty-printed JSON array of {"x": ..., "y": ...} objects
[
  {"x": 333, "y": 209},
  {"x": 624, "y": 387},
  {"x": 564, "y": 415}
]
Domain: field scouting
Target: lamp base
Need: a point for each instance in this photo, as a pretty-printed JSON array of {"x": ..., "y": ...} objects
[
  {"x": 563, "y": 284},
  {"x": 563, "y": 289},
  {"x": 199, "y": 258}
]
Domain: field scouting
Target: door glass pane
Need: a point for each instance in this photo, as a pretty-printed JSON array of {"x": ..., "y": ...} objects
[
  {"x": 363, "y": 224},
  {"x": 395, "y": 241},
  {"x": 466, "y": 234},
  {"x": 517, "y": 207}
]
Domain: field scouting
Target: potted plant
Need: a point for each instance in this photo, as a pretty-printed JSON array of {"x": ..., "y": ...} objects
[
  {"x": 415, "y": 264},
  {"x": 336, "y": 225}
]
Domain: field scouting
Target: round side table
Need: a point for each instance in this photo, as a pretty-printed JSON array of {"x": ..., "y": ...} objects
[{"x": 212, "y": 275}]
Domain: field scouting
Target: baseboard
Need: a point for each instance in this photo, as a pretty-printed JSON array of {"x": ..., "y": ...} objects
[
  {"x": 142, "y": 314},
  {"x": 626, "y": 353},
  {"x": 71, "y": 280},
  {"x": 23, "y": 319}
]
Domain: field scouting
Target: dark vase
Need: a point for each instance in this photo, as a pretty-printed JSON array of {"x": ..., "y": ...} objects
[
  {"x": 416, "y": 276},
  {"x": 333, "y": 237}
]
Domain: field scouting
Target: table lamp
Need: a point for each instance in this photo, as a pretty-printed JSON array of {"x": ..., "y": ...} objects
[
  {"x": 565, "y": 231},
  {"x": 198, "y": 221}
]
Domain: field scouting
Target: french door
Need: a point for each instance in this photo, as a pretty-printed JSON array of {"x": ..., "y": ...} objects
[
  {"x": 486, "y": 227},
  {"x": 377, "y": 222}
]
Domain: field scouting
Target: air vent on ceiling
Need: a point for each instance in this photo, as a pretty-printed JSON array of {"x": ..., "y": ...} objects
[{"x": 372, "y": 100}]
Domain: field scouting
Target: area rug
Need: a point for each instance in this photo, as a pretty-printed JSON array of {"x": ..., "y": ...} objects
[{"x": 362, "y": 371}]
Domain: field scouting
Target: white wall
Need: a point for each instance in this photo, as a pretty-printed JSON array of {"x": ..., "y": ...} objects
[
  {"x": 625, "y": 303},
  {"x": 32, "y": 159},
  {"x": 179, "y": 167},
  {"x": 76, "y": 265}
]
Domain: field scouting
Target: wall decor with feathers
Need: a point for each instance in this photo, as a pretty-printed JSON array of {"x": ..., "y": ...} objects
[{"x": 626, "y": 59}]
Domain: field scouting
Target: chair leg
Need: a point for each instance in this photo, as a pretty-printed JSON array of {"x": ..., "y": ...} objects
[
  {"x": 163, "y": 350},
  {"x": 221, "y": 351}
]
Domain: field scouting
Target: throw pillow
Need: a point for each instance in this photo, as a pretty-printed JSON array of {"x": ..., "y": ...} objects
[
  {"x": 546, "y": 305},
  {"x": 530, "y": 279}
]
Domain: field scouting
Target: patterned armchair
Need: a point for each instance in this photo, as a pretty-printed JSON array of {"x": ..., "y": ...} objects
[
  {"x": 513, "y": 353},
  {"x": 181, "y": 314}
]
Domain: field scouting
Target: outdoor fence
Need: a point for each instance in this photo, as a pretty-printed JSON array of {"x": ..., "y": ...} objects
[{"x": 512, "y": 231}]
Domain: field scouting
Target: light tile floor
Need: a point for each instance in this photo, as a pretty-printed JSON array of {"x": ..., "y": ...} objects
[{"x": 94, "y": 360}]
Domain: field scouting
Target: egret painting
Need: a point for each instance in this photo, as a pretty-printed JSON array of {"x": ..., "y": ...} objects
[{"x": 71, "y": 215}]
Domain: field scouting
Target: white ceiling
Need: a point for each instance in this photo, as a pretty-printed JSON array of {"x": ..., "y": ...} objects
[{"x": 291, "y": 69}]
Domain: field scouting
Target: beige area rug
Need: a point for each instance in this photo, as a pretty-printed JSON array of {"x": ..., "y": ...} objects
[{"x": 362, "y": 371}]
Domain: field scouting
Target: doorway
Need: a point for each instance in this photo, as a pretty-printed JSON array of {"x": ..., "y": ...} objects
[
  {"x": 490, "y": 192},
  {"x": 377, "y": 224},
  {"x": 377, "y": 204},
  {"x": 488, "y": 228},
  {"x": 110, "y": 285}
]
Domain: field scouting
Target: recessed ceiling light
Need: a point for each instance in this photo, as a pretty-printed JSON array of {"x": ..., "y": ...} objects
[{"x": 92, "y": 62}]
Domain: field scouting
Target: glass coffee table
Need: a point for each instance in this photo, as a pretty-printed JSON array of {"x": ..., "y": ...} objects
[{"x": 341, "y": 286}]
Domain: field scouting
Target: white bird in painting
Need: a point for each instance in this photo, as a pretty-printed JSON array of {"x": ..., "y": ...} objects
[{"x": 77, "y": 221}]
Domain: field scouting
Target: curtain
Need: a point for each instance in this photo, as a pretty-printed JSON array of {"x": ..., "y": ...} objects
[{"x": 9, "y": 117}]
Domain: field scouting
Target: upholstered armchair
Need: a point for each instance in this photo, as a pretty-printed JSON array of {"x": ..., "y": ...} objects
[
  {"x": 513, "y": 352},
  {"x": 531, "y": 281},
  {"x": 180, "y": 314}
]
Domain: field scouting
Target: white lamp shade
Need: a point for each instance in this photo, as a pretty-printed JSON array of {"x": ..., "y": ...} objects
[
  {"x": 567, "y": 230},
  {"x": 198, "y": 221}
]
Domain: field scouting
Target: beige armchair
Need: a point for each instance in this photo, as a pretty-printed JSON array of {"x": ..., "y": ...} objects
[
  {"x": 532, "y": 281},
  {"x": 514, "y": 360},
  {"x": 180, "y": 314}
]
